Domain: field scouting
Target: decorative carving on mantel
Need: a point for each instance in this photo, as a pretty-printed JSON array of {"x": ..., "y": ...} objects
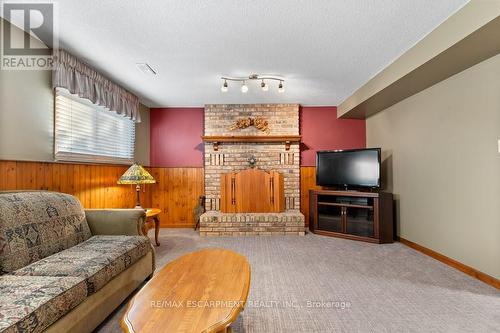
[{"x": 259, "y": 123}]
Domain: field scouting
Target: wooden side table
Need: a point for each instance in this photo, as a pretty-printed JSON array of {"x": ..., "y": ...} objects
[{"x": 153, "y": 214}]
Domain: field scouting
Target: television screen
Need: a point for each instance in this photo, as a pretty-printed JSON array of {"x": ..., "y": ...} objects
[{"x": 354, "y": 168}]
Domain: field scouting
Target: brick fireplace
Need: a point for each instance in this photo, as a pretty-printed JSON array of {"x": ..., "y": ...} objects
[{"x": 271, "y": 144}]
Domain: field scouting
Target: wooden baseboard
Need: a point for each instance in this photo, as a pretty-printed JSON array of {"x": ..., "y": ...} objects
[{"x": 453, "y": 263}]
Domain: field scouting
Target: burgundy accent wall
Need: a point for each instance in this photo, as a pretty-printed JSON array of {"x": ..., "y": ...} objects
[
  {"x": 321, "y": 130},
  {"x": 175, "y": 137}
]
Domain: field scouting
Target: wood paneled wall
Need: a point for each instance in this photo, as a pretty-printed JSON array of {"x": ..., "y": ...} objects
[
  {"x": 307, "y": 182},
  {"x": 95, "y": 186},
  {"x": 176, "y": 192}
]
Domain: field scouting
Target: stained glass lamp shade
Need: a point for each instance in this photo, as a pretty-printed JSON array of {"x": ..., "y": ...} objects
[{"x": 136, "y": 175}]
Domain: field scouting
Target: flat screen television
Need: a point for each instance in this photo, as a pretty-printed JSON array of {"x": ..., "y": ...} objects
[{"x": 355, "y": 168}]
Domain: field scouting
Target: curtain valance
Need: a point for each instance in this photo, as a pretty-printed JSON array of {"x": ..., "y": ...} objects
[{"x": 84, "y": 81}]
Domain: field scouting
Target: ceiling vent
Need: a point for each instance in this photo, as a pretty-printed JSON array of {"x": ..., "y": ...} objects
[{"x": 146, "y": 69}]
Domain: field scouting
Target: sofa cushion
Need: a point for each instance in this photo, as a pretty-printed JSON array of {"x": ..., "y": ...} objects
[
  {"x": 37, "y": 224},
  {"x": 33, "y": 303},
  {"x": 97, "y": 260}
]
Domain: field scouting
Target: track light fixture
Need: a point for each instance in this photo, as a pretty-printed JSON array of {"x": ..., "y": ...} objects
[{"x": 264, "y": 84}]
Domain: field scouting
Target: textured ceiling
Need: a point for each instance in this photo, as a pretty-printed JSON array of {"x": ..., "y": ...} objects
[{"x": 325, "y": 49}]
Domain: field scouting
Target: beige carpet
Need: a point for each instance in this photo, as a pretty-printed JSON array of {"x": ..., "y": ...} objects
[{"x": 321, "y": 284}]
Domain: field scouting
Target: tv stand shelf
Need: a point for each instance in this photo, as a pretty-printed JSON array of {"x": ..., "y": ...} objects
[
  {"x": 365, "y": 216},
  {"x": 344, "y": 205}
]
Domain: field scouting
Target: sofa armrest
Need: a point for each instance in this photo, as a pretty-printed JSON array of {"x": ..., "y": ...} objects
[{"x": 116, "y": 221}]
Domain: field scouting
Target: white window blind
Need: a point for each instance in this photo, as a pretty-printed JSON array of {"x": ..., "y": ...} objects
[{"x": 85, "y": 132}]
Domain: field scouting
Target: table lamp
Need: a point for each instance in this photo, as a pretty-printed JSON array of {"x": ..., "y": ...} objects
[{"x": 136, "y": 175}]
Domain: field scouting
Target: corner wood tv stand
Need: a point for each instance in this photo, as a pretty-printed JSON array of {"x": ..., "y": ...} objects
[{"x": 364, "y": 216}]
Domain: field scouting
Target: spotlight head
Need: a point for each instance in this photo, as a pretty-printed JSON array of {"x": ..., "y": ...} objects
[
  {"x": 244, "y": 87},
  {"x": 224, "y": 87},
  {"x": 281, "y": 88},
  {"x": 264, "y": 86}
]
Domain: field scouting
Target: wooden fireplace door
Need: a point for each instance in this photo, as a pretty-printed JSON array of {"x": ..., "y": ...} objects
[{"x": 252, "y": 191}]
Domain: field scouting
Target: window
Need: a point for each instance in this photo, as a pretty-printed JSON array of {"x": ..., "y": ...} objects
[{"x": 85, "y": 132}]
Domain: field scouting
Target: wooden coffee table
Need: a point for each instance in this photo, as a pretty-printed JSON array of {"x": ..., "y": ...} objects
[{"x": 203, "y": 291}]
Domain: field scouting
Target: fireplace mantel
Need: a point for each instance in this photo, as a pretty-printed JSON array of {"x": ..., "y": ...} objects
[{"x": 216, "y": 140}]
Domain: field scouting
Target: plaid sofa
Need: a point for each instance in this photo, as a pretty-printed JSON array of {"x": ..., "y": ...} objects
[{"x": 54, "y": 256}]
